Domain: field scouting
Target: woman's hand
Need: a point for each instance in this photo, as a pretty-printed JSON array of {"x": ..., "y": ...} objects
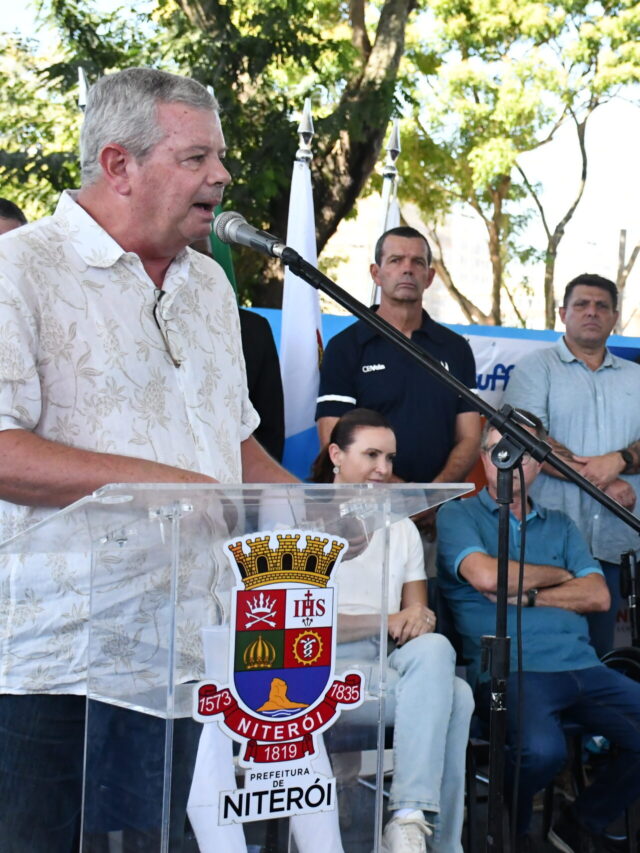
[{"x": 410, "y": 622}]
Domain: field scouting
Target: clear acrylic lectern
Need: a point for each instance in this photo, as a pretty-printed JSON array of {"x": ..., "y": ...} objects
[{"x": 216, "y": 670}]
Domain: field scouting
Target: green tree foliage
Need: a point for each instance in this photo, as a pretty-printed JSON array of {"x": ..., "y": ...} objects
[
  {"x": 263, "y": 57},
  {"x": 39, "y": 125},
  {"x": 497, "y": 79}
]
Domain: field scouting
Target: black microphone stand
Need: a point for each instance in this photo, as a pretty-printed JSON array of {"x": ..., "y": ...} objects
[{"x": 515, "y": 442}]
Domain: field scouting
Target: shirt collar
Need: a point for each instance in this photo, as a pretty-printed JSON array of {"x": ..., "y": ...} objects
[
  {"x": 488, "y": 502},
  {"x": 567, "y": 356},
  {"x": 95, "y": 246},
  {"x": 428, "y": 327}
]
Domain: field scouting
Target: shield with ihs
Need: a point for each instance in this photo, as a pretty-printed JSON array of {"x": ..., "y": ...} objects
[{"x": 284, "y": 619}]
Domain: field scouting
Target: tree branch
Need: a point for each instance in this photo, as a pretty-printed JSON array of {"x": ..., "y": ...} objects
[
  {"x": 521, "y": 319},
  {"x": 359, "y": 35},
  {"x": 581, "y": 127},
  {"x": 536, "y": 199},
  {"x": 469, "y": 309}
]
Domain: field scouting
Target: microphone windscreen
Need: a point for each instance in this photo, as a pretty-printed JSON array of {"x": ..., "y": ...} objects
[{"x": 223, "y": 222}]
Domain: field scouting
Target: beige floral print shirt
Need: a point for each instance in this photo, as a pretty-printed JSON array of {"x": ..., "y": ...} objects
[{"x": 91, "y": 357}]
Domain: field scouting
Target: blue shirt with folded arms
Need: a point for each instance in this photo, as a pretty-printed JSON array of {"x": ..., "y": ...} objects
[{"x": 553, "y": 639}]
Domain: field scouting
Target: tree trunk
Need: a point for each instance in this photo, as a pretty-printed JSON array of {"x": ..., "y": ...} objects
[
  {"x": 347, "y": 143},
  {"x": 549, "y": 275},
  {"x": 495, "y": 255},
  {"x": 624, "y": 270},
  {"x": 495, "y": 231}
]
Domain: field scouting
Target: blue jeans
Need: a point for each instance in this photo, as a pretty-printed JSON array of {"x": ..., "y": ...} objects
[
  {"x": 41, "y": 772},
  {"x": 602, "y": 700},
  {"x": 430, "y": 709},
  {"x": 602, "y": 626}
]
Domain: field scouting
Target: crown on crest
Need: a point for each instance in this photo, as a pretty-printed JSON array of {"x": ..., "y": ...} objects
[
  {"x": 260, "y": 654},
  {"x": 287, "y": 562}
]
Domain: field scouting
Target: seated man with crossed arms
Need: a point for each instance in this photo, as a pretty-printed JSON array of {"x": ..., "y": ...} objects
[{"x": 562, "y": 678}]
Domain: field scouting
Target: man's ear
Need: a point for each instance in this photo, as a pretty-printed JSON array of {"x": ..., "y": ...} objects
[
  {"x": 562, "y": 311},
  {"x": 116, "y": 164},
  {"x": 374, "y": 270},
  {"x": 432, "y": 273}
]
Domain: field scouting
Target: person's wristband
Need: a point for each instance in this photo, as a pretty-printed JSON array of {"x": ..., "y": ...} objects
[
  {"x": 532, "y": 594},
  {"x": 629, "y": 461}
]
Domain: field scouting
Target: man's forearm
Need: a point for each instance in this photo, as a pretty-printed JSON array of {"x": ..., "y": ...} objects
[
  {"x": 536, "y": 576},
  {"x": 582, "y": 595},
  {"x": 460, "y": 461},
  {"x": 564, "y": 453},
  {"x": 481, "y": 570},
  {"x": 38, "y": 472},
  {"x": 259, "y": 467},
  {"x": 465, "y": 451}
]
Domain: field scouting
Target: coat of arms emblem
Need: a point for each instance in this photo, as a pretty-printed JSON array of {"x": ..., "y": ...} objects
[{"x": 283, "y": 692}]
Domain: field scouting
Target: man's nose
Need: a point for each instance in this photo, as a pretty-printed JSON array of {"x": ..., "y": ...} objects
[{"x": 218, "y": 174}]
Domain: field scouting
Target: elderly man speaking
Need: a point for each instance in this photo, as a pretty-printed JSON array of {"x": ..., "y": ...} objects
[{"x": 120, "y": 361}]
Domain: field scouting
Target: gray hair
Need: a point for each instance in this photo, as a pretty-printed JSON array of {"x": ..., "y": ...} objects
[{"x": 122, "y": 108}]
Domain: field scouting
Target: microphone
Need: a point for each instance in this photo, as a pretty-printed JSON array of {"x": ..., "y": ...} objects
[{"x": 232, "y": 227}]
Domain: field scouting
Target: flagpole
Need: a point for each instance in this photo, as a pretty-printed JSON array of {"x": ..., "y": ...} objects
[{"x": 390, "y": 216}]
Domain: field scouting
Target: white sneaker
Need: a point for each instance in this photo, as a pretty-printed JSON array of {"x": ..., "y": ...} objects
[{"x": 406, "y": 834}]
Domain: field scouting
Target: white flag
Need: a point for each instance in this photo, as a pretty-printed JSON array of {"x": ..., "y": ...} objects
[{"x": 301, "y": 336}]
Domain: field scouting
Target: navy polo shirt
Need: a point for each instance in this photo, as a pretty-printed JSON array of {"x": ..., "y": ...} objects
[{"x": 361, "y": 369}]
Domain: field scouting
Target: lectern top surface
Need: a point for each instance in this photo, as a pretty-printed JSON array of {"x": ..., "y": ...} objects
[{"x": 135, "y": 515}]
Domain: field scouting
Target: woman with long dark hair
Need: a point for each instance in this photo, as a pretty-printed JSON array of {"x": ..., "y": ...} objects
[{"x": 429, "y": 706}]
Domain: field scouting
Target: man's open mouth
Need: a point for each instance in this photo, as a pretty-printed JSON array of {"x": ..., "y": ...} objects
[{"x": 204, "y": 206}]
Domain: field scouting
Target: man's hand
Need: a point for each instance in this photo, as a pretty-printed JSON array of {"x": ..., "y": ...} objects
[
  {"x": 410, "y": 622},
  {"x": 601, "y": 470},
  {"x": 622, "y": 492}
]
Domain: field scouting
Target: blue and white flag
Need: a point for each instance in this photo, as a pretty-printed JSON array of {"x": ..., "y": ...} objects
[{"x": 301, "y": 336}]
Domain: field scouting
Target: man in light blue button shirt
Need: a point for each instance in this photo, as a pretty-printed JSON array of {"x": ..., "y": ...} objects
[{"x": 589, "y": 401}]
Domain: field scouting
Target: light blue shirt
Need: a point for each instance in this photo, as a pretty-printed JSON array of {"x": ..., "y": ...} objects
[
  {"x": 591, "y": 412},
  {"x": 553, "y": 639}
]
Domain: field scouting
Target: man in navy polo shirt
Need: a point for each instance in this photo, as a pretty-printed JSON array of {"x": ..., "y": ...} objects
[
  {"x": 438, "y": 434},
  {"x": 562, "y": 677}
]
